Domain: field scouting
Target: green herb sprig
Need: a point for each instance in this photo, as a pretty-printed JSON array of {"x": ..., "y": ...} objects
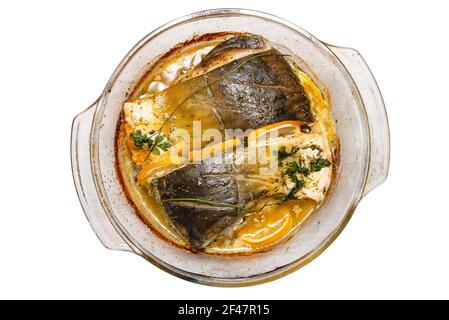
[
  {"x": 153, "y": 142},
  {"x": 205, "y": 201}
]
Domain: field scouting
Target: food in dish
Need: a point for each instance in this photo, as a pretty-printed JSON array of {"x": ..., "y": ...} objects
[{"x": 227, "y": 145}]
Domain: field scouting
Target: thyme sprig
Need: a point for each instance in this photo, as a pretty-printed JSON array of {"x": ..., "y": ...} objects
[{"x": 205, "y": 201}]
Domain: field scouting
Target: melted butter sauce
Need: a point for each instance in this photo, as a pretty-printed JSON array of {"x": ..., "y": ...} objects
[{"x": 169, "y": 71}]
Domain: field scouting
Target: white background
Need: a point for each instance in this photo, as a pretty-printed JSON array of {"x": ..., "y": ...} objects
[{"x": 56, "y": 57}]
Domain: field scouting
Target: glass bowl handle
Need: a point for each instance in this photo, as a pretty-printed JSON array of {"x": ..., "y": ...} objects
[
  {"x": 376, "y": 114},
  {"x": 84, "y": 183}
]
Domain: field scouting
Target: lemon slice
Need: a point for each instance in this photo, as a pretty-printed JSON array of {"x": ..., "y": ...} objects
[{"x": 267, "y": 228}]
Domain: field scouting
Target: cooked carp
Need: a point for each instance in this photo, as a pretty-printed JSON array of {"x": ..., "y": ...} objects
[
  {"x": 241, "y": 83},
  {"x": 206, "y": 198},
  {"x": 246, "y": 93}
]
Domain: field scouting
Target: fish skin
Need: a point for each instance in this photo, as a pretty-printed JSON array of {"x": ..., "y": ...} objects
[
  {"x": 257, "y": 90},
  {"x": 209, "y": 180},
  {"x": 246, "y": 93},
  {"x": 237, "y": 42},
  {"x": 263, "y": 85}
]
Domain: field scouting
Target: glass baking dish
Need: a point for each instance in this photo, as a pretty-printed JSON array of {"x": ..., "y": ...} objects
[{"x": 362, "y": 127}]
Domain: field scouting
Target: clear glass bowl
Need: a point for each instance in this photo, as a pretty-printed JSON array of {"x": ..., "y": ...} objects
[{"x": 362, "y": 127}]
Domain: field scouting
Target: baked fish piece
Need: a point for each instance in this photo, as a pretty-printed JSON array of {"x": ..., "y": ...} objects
[
  {"x": 247, "y": 92},
  {"x": 204, "y": 199}
]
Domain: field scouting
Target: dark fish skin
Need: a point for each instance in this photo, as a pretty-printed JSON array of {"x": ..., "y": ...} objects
[
  {"x": 257, "y": 90},
  {"x": 249, "y": 92},
  {"x": 246, "y": 93},
  {"x": 209, "y": 180},
  {"x": 237, "y": 42}
]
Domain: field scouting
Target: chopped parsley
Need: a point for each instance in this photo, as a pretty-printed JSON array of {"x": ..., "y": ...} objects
[
  {"x": 304, "y": 171},
  {"x": 294, "y": 168},
  {"x": 283, "y": 154},
  {"x": 318, "y": 164},
  {"x": 315, "y": 147},
  {"x": 298, "y": 186},
  {"x": 154, "y": 142}
]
